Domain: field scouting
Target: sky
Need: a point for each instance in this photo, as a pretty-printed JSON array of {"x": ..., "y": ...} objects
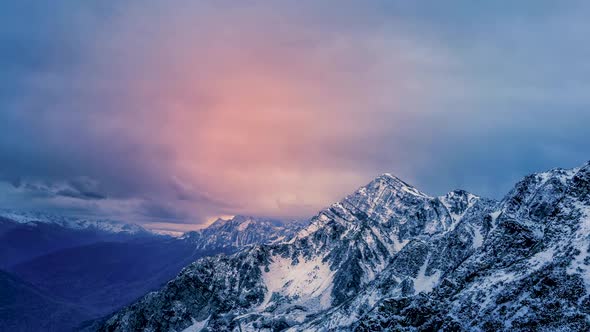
[{"x": 171, "y": 113}]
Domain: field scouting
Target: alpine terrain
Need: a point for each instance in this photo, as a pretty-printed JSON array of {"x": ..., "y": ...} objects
[
  {"x": 61, "y": 273},
  {"x": 390, "y": 257}
]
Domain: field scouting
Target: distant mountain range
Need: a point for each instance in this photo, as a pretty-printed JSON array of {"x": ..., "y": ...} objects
[
  {"x": 390, "y": 257},
  {"x": 76, "y": 270},
  {"x": 25, "y": 235}
]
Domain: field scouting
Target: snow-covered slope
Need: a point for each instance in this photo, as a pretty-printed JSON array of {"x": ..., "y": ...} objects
[{"x": 391, "y": 257}]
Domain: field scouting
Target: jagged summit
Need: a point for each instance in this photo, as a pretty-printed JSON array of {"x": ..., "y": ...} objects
[
  {"x": 219, "y": 222},
  {"x": 344, "y": 249},
  {"x": 394, "y": 182},
  {"x": 459, "y": 193},
  {"x": 458, "y": 202},
  {"x": 240, "y": 231},
  {"x": 390, "y": 177},
  {"x": 235, "y": 220},
  {"x": 243, "y": 221}
]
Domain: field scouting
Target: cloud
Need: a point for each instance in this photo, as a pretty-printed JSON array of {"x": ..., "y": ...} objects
[
  {"x": 161, "y": 112},
  {"x": 80, "y": 188}
]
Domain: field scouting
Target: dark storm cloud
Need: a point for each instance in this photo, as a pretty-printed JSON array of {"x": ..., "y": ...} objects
[{"x": 78, "y": 188}]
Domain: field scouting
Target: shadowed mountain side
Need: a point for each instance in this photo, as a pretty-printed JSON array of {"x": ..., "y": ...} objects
[{"x": 24, "y": 308}]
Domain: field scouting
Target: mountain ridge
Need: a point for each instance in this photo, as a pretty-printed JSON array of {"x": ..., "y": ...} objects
[
  {"x": 375, "y": 221},
  {"x": 388, "y": 257},
  {"x": 105, "y": 225}
]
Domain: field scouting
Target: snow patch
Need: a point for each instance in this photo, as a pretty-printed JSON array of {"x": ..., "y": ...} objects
[
  {"x": 399, "y": 245},
  {"x": 561, "y": 174},
  {"x": 582, "y": 243},
  {"x": 303, "y": 281},
  {"x": 310, "y": 229},
  {"x": 424, "y": 283},
  {"x": 242, "y": 227},
  {"x": 177, "y": 234},
  {"x": 477, "y": 237},
  {"x": 541, "y": 258},
  {"x": 197, "y": 326},
  {"x": 495, "y": 216}
]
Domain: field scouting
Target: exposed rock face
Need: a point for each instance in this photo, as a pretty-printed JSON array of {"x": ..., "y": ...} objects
[
  {"x": 530, "y": 274},
  {"x": 241, "y": 231},
  {"x": 389, "y": 257}
]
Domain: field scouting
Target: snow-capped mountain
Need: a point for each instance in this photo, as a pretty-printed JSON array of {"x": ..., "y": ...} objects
[
  {"x": 25, "y": 235},
  {"x": 241, "y": 231},
  {"x": 531, "y": 272},
  {"x": 103, "y": 225},
  {"x": 389, "y": 257}
]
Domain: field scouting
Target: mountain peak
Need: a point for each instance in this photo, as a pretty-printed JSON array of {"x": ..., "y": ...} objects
[
  {"x": 240, "y": 231},
  {"x": 232, "y": 220},
  {"x": 242, "y": 221},
  {"x": 459, "y": 195},
  {"x": 458, "y": 192},
  {"x": 458, "y": 202},
  {"x": 395, "y": 183},
  {"x": 387, "y": 175}
]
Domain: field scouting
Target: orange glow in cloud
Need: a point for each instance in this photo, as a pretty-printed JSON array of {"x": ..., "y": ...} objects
[
  {"x": 260, "y": 142},
  {"x": 262, "y": 118}
]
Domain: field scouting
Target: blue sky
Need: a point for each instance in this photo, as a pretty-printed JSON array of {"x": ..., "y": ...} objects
[{"x": 176, "y": 112}]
